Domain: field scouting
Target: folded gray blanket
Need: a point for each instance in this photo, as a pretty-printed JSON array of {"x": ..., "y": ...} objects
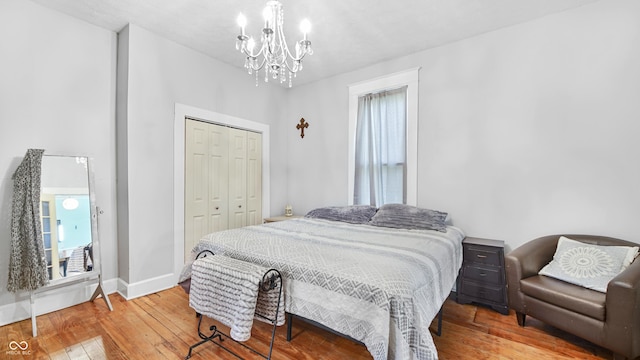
[{"x": 229, "y": 291}]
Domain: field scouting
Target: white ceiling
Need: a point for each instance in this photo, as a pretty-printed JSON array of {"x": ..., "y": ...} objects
[{"x": 346, "y": 34}]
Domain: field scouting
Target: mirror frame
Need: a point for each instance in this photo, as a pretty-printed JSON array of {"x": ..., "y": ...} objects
[{"x": 96, "y": 273}]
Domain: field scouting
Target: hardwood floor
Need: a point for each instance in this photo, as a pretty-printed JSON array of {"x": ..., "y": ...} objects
[{"x": 162, "y": 326}]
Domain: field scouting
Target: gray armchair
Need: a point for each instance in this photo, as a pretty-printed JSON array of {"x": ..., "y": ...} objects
[{"x": 611, "y": 320}]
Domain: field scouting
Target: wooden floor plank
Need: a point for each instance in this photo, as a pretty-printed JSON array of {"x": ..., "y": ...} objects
[{"x": 163, "y": 326}]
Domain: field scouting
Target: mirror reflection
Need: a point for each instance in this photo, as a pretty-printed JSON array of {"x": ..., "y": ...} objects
[{"x": 66, "y": 215}]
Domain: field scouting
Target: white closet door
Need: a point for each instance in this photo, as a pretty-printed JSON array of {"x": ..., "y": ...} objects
[
  {"x": 237, "y": 178},
  {"x": 218, "y": 178},
  {"x": 196, "y": 184},
  {"x": 223, "y": 180},
  {"x": 254, "y": 178}
]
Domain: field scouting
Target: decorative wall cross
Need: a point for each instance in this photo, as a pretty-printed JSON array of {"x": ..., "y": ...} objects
[{"x": 303, "y": 125}]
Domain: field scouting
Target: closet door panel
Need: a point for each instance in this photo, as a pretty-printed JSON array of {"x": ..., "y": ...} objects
[
  {"x": 218, "y": 178},
  {"x": 237, "y": 178},
  {"x": 254, "y": 178},
  {"x": 196, "y": 183}
]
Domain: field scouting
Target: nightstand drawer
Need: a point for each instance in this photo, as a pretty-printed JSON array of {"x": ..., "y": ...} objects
[
  {"x": 490, "y": 293},
  {"x": 487, "y": 274},
  {"x": 483, "y": 255}
]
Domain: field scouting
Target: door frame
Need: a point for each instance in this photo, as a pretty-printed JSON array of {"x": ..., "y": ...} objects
[{"x": 181, "y": 113}]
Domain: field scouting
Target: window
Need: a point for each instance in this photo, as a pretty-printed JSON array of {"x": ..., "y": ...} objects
[
  {"x": 394, "y": 172},
  {"x": 380, "y": 148}
]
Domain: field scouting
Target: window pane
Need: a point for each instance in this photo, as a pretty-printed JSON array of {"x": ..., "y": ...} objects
[
  {"x": 45, "y": 208},
  {"x": 46, "y": 225},
  {"x": 395, "y": 189},
  {"x": 47, "y": 240}
]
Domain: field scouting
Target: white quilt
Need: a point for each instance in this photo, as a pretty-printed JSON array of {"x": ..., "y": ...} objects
[{"x": 378, "y": 285}]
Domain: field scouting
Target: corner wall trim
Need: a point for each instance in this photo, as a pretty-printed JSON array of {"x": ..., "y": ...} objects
[{"x": 145, "y": 287}]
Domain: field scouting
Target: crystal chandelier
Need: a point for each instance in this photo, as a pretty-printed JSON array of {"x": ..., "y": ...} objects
[{"x": 279, "y": 63}]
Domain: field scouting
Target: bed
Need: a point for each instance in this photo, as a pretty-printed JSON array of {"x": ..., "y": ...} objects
[{"x": 376, "y": 284}]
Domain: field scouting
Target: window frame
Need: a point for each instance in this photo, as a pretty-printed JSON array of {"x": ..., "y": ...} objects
[{"x": 409, "y": 78}]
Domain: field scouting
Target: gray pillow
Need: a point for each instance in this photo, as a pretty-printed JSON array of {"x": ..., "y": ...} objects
[
  {"x": 586, "y": 265},
  {"x": 355, "y": 214},
  {"x": 402, "y": 216}
]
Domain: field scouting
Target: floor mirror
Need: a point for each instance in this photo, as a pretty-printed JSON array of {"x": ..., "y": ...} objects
[{"x": 69, "y": 218}]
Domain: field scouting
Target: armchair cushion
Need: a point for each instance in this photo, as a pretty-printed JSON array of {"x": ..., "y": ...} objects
[
  {"x": 575, "y": 298},
  {"x": 587, "y": 265}
]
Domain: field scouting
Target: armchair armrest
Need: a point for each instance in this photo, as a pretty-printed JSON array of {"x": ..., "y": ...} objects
[
  {"x": 628, "y": 279},
  {"x": 623, "y": 310},
  {"x": 529, "y": 258},
  {"x": 524, "y": 262}
]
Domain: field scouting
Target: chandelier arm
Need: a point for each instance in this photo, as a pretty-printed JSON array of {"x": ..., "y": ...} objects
[
  {"x": 283, "y": 41},
  {"x": 247, "y": 53},
  {"x": 261, "y": 65},
  {"x": 289, "y": 68},
  {"x": 288, "y": 53},
  {"x": 255, "y": 56}
]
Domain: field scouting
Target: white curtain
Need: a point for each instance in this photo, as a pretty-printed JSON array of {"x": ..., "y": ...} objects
[{"x": 381, "y": 151}]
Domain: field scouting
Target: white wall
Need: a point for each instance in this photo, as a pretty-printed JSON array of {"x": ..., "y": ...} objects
[
  {"x": 525, "y": 131},
  {"x": 162, "y": 73},
  {"x": 317, "y": 163},
  {"x": 57, "y": 92}
]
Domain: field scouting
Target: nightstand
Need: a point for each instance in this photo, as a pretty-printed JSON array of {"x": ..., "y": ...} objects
[
  {"x": 482, "y": 276},
  {"x": 280, "y": 218}
]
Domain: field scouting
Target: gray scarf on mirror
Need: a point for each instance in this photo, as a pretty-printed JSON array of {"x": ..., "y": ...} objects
[{"x": 27, "y": 263}]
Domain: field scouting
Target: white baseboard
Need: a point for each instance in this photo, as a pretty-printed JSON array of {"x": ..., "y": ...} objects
[
  {"x": 53, "y": 300},
  {"x": 146, "y": 287}
]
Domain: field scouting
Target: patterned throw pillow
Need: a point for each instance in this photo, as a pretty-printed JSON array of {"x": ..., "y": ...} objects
[{"x": 586, "y": 265}]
